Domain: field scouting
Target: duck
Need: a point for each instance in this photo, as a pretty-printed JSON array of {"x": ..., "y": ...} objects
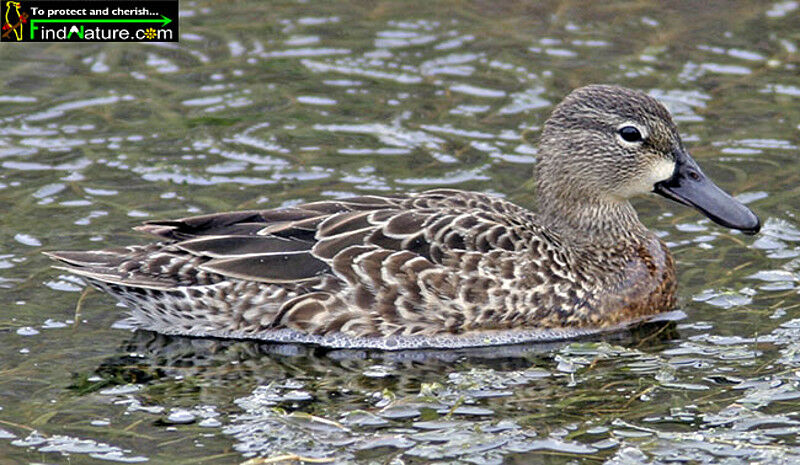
[{"x": 441, "y": 268}]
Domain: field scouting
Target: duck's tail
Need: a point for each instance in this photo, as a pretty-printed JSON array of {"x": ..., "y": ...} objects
[
  {"x": 113, "y": 266},
  {"x": 157, "y": 303}
]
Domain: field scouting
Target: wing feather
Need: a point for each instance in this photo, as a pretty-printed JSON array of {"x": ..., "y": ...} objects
[
  {"x": 300, "y": 243},
  {"x": 269, "y": 268},
  {"x": 230, "y": 246}
]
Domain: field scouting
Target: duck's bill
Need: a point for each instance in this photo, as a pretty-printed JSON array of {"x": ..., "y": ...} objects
[{"x": 689, "y": 186}]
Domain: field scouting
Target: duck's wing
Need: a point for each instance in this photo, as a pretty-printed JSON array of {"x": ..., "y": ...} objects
[{"x": 301, "y": 243}]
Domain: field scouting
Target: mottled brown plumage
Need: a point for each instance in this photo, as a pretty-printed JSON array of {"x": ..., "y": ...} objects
[{"x": 438, "y": 268}]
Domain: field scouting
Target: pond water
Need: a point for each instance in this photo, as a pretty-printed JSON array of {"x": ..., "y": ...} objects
[{"x": 265, "y": 104}]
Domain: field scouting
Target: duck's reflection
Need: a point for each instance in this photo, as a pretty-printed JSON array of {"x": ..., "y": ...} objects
[{"x": 146, "y": 356}]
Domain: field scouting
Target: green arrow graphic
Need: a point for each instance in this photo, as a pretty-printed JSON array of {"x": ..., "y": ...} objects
[{"x": 164, "y": 21}]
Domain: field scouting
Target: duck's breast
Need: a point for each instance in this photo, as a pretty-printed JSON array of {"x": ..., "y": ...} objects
[{"x": 646, "y": 284}]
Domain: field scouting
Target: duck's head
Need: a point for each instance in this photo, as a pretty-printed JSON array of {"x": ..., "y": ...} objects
[{"x": 605, "y": 144}]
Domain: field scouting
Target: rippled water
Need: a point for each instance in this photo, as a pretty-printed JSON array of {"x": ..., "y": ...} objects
[{"x": 264, "y": 104}]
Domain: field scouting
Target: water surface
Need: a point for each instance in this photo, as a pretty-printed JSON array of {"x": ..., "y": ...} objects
[{"x": 264, "y": 104}]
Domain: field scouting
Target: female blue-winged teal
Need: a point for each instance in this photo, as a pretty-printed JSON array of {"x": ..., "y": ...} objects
[{"x": 443, "y": 268}]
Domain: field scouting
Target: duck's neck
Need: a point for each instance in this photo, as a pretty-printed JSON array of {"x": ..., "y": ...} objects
[{"x": 595, "y": 221}]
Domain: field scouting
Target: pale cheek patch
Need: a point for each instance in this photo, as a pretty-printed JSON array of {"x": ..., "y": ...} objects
[
  {"x": 659, "y": 171},
  {"x": 663, "y": 170}
]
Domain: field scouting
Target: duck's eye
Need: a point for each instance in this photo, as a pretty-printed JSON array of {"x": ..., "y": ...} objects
[{"x": 630, "y": 134}]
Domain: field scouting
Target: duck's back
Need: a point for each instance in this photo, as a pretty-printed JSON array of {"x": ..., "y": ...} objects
[{"x": 449, "y": 266}]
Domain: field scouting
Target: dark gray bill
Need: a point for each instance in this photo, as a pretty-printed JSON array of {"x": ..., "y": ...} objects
[{"x": 689, "y": 186}]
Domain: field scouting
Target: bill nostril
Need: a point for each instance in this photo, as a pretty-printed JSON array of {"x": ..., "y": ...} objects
[{"x": 694, "y": 175}]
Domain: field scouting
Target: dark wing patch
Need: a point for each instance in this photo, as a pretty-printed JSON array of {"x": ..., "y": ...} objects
[
  {"x": 178, "y": 231},
  {"x": 270, "y": 268},
  {"x": 215, "y": 224},
  {"x": 231, "y": 246},
  {"x": 243, "y": 223}
]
